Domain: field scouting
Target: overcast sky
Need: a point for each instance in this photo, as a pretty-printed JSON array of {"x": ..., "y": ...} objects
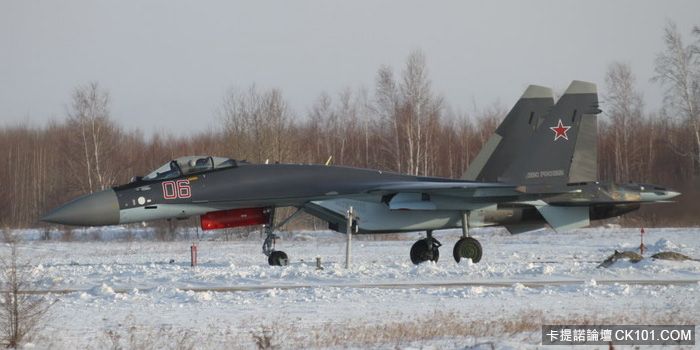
[{"x": 167, "y": 64}]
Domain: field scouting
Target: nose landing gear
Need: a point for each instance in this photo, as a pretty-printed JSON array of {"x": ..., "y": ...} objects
[{"x": 275, "y": 257}]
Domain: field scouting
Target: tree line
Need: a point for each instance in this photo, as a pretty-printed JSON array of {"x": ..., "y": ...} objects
[{"x": 400, "y": 124}]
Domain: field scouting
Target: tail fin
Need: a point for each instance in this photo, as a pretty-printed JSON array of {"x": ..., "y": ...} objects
[
  {"x": 507, "y": 142},
  {"x": 563, "y": 149}
]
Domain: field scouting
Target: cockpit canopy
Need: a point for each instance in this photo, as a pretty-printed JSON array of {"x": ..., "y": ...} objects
[{"x": 189, "y": 165}]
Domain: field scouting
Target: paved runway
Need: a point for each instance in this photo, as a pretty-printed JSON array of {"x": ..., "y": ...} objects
[{"x": 420, "y": 285}]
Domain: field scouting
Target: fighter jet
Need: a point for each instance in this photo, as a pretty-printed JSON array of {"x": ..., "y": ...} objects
[{"x": 538, "y": 169}]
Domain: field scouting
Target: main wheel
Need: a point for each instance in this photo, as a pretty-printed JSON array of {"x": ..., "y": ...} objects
[
  {"x": 278, "y": 258},
  {"x": 467, "y": 248},
  {"x": 423, "y": 251}
]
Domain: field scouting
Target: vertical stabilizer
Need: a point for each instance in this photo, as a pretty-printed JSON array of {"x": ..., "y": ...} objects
[
  {"x": 506, "y": 144},
  {"x": 563, "y": 147}
]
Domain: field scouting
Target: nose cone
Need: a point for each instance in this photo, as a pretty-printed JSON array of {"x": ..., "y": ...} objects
[
  {"x": 671, "y": 194},
  {"x": 100, "y": 208},
  {"x": 658, "y": 196}
]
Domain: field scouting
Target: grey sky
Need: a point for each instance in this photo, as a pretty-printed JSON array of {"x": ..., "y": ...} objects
[{"x": 167, "y": 64}]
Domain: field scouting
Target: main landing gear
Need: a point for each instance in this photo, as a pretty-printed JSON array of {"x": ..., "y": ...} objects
[
  {"x": 466, "y": 247},
  {"x": 425, "y": 249},
  {"x": 275, "y": 257}
]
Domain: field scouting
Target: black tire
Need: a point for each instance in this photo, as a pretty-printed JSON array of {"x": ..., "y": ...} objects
[
  {"x": 278, "y": 258},
  {"x": 420, "y": 252},
  {"x": 467, "y": 247}
]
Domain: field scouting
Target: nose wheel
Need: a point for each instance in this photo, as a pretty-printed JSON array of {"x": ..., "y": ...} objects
[
  {"x": 426, "y": 249},
  {"x": 278, "y": 258},
  {"x": 275, "y": 257}
]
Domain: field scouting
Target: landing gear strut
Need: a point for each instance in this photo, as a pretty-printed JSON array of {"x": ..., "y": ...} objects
[
  {"x": 425, "y": 249},
  {"x": 275, "y": 257},
  {"x": 467, "y": 247}
]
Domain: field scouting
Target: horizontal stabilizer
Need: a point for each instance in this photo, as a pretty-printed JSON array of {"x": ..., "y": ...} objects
[
  {"x": 522, "y": 228},
  {"x": 565, "y": 218}
]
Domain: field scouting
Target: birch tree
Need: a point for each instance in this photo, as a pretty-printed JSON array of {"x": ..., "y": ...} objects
[
  {"x": 624, "y": 105},
  {"x": 93, "y": 139},
  {"x": 677, "y": 69},
  {"x": 421, "y": 112},
  {"x": 387, "y": 107}
]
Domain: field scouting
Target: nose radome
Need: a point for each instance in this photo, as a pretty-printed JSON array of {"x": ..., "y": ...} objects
[
  {"x": 661, "y": 195},
  {"x": 95, "y": 209},
  {"x": 672, "y": 194}
]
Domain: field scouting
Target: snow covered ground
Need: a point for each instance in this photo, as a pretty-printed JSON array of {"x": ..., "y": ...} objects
[{"x": 128, "y": 294}]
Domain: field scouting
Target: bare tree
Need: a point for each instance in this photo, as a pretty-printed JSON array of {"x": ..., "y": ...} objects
[
  {"x": 316, "y": 128},
  {"x": 20, "y": 312},
  {"x": 273, "y": 124},
  {"x": 624, "y": 105},
  {"x": 256, "y": 124},
  {"x": 365, "y": 115},
  {"x": 387, "y": 107},
  {"x": 677, "y": 68},
  {"x": 411, "y": 112},
  {"x": 420, "y": 110},
  {"x": 92, "y": 139}
]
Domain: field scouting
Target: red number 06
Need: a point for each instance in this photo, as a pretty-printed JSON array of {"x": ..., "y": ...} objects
[{"x": 176, "y": 189}]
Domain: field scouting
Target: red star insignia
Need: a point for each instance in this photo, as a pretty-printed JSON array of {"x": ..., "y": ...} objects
[{"x": 560, "y": 131}]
